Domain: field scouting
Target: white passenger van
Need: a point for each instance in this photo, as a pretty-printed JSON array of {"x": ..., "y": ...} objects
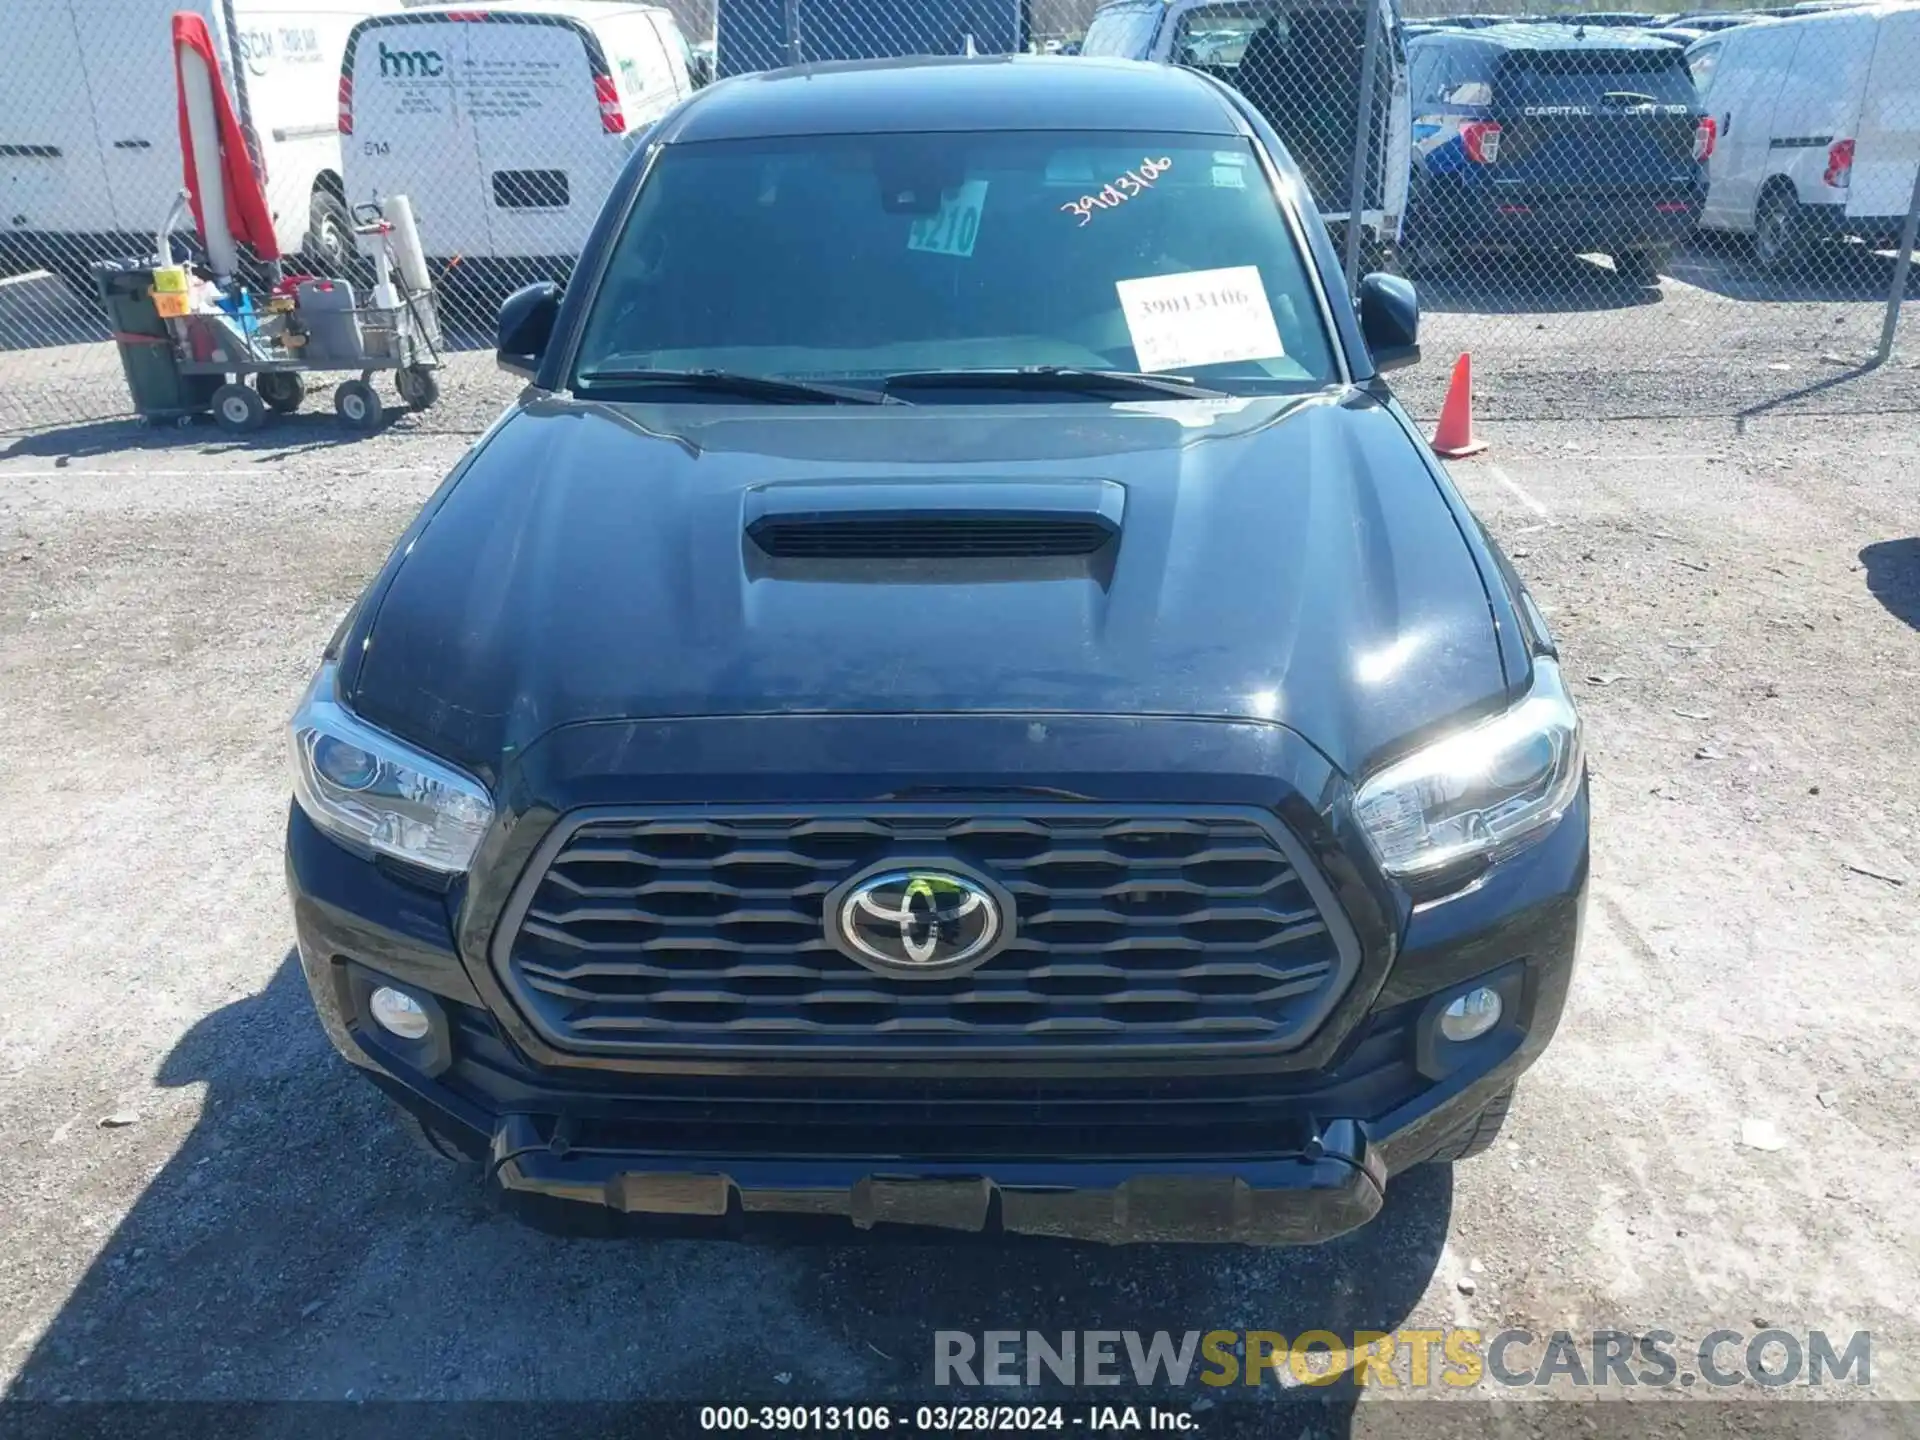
[
  {"x": 1819, "y": 127},
  {"x": 90, "y": 128},
  {"x": 505, "y": 127}
]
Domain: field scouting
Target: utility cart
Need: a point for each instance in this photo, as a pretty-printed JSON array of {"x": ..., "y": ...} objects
[{"x": 309, "y": 326}]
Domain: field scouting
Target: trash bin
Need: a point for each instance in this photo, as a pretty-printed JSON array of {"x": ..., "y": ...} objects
[{"x": 158, "y": 388}]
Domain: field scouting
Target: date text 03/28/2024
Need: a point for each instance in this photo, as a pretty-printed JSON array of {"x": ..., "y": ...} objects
[{"x": 946, "y": 1419}]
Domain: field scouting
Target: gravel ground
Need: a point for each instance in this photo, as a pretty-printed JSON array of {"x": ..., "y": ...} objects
[{"x": 203, "y": 1203}]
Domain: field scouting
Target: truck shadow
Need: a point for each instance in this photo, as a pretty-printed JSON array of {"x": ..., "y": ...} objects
[
  {"x": 1893, "y": 577},
  {"x": 295, "y": 1246},
  {"x": 1531, "y": 284}
]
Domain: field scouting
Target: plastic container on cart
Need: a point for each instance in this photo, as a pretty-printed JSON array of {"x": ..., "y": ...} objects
[
  {"x": 154, "y": 379},
  {"x": 328, "y": 311}
]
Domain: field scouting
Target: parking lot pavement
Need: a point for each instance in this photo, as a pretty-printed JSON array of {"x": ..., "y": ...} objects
[{"x": 203, "y": 1203}]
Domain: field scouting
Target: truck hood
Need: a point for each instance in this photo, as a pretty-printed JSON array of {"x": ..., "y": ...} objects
[{"x": 1281, "y": 559}]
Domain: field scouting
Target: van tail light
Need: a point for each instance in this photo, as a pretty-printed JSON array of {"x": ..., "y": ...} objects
[
  {"x": 1482, "y": 139},
  {"x": 1706, "y": 135},
  {"x": 613, "y": 119},
  {"x": 1839, "y": 164},
  {"x": 346, "y": 103}
]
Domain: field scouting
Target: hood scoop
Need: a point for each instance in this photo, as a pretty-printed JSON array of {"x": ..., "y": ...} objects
[{"x": 957, "y": 520}]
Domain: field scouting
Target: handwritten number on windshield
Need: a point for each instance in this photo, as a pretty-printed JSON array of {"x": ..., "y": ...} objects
[{"x": 1123, "y": 189}]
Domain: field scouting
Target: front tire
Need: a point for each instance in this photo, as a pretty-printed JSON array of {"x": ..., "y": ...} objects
[
  {"x": 431, "y": 1141},
  {"x": 283, "y": 390},
  {"x": 238, "y": 409},
  {"x": 1641, "y": 267},
  {"x": 416, "y": 386},
  {"x": 1477, "y": 1135},
  {"x": 330, "y": 249},
  {"x": 358, "y": 405}
]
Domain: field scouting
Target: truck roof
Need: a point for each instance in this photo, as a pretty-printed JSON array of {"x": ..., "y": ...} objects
[
  {"x": 1549, "y": 35},
  {"x": 988, "y": 92}
]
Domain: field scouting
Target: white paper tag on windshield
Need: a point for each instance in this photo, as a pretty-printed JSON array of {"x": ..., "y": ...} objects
[
  {"x": 953, "y": 230},
  {"x": 1204, "y": 317}
]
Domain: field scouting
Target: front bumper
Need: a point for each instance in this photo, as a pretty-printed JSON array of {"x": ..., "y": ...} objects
[
  {"x": 1334, "y": 1182},
  {"x": 1295, "y": 1149}
]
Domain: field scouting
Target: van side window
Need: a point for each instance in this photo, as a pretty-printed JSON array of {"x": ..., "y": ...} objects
[
  {"x": 1123, "y": 31},
  {"x": 1215, "y": 37},
  {"x": 1465, "y": 82},
  {"x": 1700, "y": 62}
]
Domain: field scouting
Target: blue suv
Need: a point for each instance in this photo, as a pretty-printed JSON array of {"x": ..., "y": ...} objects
[{"x": 1551, "y": 137}]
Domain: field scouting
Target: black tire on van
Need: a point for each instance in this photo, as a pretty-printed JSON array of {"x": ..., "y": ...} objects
[
  {"x": 330, "y": 248},
  {"x": 1641, "y": 267},
  {"x": 1782, "y": 233}
]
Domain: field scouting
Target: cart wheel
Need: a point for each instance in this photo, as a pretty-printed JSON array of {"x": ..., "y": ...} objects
[
  {"x": 282, "y": 390},
  {"x": 239, "y": 409},
  {"x": 416, "y": 386},
  {"x": 358, "y": 404}
]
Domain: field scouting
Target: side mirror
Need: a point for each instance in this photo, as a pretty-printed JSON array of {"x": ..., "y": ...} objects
[
  {"x": 1390, "y": 320},
  {"x": 526, "y": 325}
]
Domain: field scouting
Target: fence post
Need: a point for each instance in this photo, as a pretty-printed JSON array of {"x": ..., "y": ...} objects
[
  {"x": 790, "y": 12},
  {"x": 1363, "y": 142},
  {"x": 1901, "y": 267}
]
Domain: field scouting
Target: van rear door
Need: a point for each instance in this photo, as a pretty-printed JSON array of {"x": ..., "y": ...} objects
[
  {"x": 1594, "y": 123},
  {"x": 412, "y": 132},
  {"x": 136, "y": 104},
  {"x": 551, "y": 130},
  {"x": 51, "y": 173},
  {"x": 1743, "y": 97},
  {"x": 1887, "y": 147},
  {"x": 1819, "y": 103}
]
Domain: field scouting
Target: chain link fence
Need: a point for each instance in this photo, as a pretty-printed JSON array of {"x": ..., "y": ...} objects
[{"x": 1618, "y": 214}]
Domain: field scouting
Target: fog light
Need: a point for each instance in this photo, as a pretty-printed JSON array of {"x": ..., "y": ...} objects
[
  {"x": 1472, "y": 1015},
  {"x": 401, "y": 1015}
]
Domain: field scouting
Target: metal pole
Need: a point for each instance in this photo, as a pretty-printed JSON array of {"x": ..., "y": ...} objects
[
  {"x": 791, "y": 14},
  {"x": 1901, "y": 267},
  {"x": 1362, "y": 143}
]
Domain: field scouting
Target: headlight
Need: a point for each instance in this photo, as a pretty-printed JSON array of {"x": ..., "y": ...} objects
[
  {"x": 377, "y": 794},
  {"x": 1481, "y": 792}
]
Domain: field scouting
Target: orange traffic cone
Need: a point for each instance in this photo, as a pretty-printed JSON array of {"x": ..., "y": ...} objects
[{"x": 1453, "y": 438}]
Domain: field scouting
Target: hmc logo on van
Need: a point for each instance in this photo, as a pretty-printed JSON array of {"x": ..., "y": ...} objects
[{"x": 408, "y": 64}]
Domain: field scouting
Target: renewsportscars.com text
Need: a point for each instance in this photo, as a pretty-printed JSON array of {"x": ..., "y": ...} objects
[{"x": 1416, "y": 1359}]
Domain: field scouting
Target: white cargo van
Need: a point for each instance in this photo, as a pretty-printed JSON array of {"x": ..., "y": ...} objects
[
  {"x": 1819, "y": 127},
  {"x": 1300, "y": 63},
  {"x": 90, "y": 128},
  {"x": 505, "y": 127}
]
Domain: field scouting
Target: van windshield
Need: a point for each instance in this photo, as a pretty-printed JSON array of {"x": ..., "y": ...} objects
[
  {"x": 862, "y": 257},
  {"x": 1595, "y": 78}
]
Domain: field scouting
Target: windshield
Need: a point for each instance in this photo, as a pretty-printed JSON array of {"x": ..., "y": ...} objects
[
  {"x": 1594, "y": 78},
  {"x": 1122, "y": 32},
  {"x": 857, "y": 257}
]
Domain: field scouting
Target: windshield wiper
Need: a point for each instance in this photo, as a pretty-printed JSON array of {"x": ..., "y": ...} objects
[
  {"x": 759, "y": 387},
  {"x": 1056, "y": 377},
  {"x": 1630, "y": 97}
]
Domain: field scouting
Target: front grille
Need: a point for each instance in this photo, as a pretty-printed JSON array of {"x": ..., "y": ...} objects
[
  {"x": 1136, "y": 931},
  {"x": 931, "y": 537}
]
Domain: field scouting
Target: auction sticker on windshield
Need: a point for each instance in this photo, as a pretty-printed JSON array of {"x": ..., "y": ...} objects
[
  {"x": 954, "y": 228},
  {"x": 1203, "y": 317}
]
